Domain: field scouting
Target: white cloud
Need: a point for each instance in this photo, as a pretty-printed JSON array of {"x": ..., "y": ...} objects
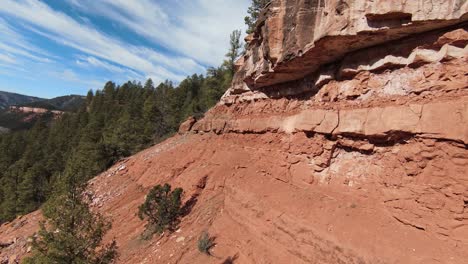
[
  {"x": 67, "y": 31},
  {"x": 13, "y": 67},
  {"x": 19, "y": 48},
  {"x": 22, "y": 52},
  {"x": 199, "y": 29},
  {"x": 69, "y": 75},
  {"x": 89, "y": 61},
  {"x": 7, "y": 59}
]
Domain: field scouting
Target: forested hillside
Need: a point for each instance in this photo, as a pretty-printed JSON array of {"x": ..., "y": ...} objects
[
  {"x": 63, "y": 103},
  {"x": 7, "y": 99},
  {"x": 114, "y": 122},
  {"x": 15, "y": 120}
]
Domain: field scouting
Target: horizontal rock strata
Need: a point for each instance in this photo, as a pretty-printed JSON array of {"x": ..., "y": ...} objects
[
  {"x": 443, "y": 120},
  {"x": 295, "y": 38}
]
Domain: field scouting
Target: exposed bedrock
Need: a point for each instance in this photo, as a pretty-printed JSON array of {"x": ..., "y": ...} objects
[
  {"x": 441, "y": 120},
  {"x": 294, "y": 38},
  {"x": 413, "y": 52}
]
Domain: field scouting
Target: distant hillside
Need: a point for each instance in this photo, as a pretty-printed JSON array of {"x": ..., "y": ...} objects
[
  {"x": 39, "y": 104},
  {"x": 7, "y": 99},
  {"x": 63, "y": 103},
  {"x": 14, "y": 121},
  {"x": 17, "y": 120},
  {"x": 67, "y": 103}
]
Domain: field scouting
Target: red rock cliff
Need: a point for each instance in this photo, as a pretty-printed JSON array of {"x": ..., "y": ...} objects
[
  {"x": 342, "y": 140},
  {"x": 295, "y": 38}
]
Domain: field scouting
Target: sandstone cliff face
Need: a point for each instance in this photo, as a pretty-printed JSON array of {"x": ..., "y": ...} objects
[
  {"x": 295, "y": 38},
  {"x": 344, "y": 139}
]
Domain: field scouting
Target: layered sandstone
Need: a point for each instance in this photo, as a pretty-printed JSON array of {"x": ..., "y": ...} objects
[
  {"x": 344, "y": 139},
  {"x": 296, "y": 38}
]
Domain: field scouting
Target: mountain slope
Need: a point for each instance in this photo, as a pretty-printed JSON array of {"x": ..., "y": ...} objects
[
  {"x": 68, "y": 102},
  {"x": 362, "y": 159},
  {"x": 35, "y": 107},
  {"x": 61, "y": 103},
  {"x": 253, "y": 200},
  {"x": 7, "y": 99}
]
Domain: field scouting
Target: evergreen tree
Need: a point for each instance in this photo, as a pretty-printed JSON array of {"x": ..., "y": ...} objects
[
  {"x": 162, "y": 208},
  {"x": 9, "y": 184},
  {"x": 149, "y": 85},
  {"x": 71, "y": 233},
  {"x": 254, "y": 11},
  {"x": 234, "y": 51},
  {"x": 167, "y": 104},
  {"x": 33, "y": 184},
  {"x": 89, "y": 97},
  {"x": 155, "y": 128}
]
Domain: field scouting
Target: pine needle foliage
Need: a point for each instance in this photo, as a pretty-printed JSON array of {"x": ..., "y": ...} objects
[
  {"x": 71, "y": 232},
  {"x": 162, "y": 208}
]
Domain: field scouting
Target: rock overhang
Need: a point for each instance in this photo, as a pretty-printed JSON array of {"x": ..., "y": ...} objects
[{"x": 294, "y": 39}]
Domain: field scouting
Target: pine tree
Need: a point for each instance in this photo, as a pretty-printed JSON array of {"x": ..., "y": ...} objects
[
  {"x": 12, "y": 148},
  {"x": 33, "y": 189},
  {"x": 234, "y": 51},
  {"x": 89, "y": 97},
  {"x": 162, "y": 208},
  {"x": 71, "y": 233},
  {"x": 149, "y": 85},
  {"x": 155, "y": 127},
  {"x": 254, "y": 11},
  {"x": 89, "y": 157},
  {"x": 9, "y": 185},
  {"x": 33, "y": 184},
  {"x": 167, "y": 104}
]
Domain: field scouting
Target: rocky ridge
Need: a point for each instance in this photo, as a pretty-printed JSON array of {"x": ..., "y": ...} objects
[{"x": 343, "y": 139}]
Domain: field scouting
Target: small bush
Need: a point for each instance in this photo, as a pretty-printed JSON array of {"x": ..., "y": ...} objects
[
  {"x": 162, "y": 208},
  {"x": 205, "y": 243}
]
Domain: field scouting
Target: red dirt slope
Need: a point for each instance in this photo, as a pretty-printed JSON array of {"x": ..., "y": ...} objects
[{"x": 258, "y": 197}]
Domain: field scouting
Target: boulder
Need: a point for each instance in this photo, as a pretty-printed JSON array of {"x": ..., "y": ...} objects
[{"x": 187, "y": 125}]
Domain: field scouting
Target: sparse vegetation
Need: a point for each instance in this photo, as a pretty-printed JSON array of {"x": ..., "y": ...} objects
[
  {"x": 162, "y": 208},
  {"x": 71, "y": 233},
  {"x": 205, "y": 242},
  {"x": 254, "y": 12}
]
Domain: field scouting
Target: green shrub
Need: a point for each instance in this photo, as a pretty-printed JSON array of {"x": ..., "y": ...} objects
[
  {"x": 205, "y": 243},
  {"x": 162, "y": 208}
]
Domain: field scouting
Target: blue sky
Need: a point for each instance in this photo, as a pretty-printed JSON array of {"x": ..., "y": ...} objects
[{"x": 59, "y": 47}]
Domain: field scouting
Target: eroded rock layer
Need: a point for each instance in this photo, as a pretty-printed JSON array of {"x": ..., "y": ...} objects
[
  {"x": 295, "y": 38},
  {"x": 357, "y": 154}
]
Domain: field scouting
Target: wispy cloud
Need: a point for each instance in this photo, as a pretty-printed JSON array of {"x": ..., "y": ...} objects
[
  {"x": 67, "y": 31},
  {"x": 22, "y": 52},
  {"x": 7, "y": 59},
  {"x": 89, "y": 61},
  {"x": 198, "y": 29},
  {"x": 71, "y": 76},
  {"x": 18, "y": 47}
]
